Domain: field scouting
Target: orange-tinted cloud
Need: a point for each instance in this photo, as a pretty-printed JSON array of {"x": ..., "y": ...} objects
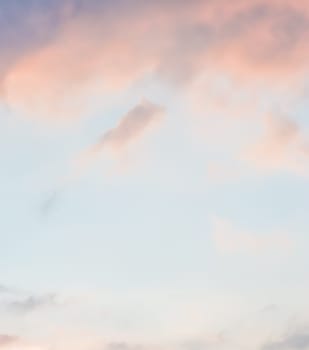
[
  {"x": 6, "y": 339},
  {"x": 131, "y": 127},
  {"x": 281, "y": 147},
  {"x": 108, "y": 47}
]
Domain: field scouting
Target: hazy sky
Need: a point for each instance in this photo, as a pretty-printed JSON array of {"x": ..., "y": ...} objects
[{"x": 154, "y": 174}]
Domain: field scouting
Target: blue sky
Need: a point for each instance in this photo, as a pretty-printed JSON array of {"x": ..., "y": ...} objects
[{"x": 154, "y": 175}]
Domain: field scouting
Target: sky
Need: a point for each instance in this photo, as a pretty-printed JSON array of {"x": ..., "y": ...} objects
[{"x": 154, "y": 174}]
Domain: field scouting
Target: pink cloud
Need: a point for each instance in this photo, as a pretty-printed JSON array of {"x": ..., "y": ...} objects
[
  {"x": 130, "y": 128},
  {"x": 282, "y": 147},
  {"x": 8, "y": 342},
  {"x": 112, "y": 48}
]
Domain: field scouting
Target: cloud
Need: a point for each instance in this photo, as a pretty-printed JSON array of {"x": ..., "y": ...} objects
[
  {"x": 20, "y": 301},
  {"x": 130, "y": 128},
  {"x": 229, "y": 239},
  {"x": 13, "y": 342},
  {"x": 6, "y": 339},
  {"x": 104, "y": 47},
  {"x": 32, "y": 303},
  {"x": 297, "y": 341},
  {"x": 56, "y": 81},
  {"x": 282, "y": 147}
]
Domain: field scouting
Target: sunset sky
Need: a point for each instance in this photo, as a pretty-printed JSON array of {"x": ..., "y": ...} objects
[{"x": 154, "y": 174}]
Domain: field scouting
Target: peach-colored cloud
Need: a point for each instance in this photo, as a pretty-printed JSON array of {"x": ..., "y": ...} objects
[
  {"x": 234, "y": 240},
  {"x": 131, "y": 127},
  {"x": 281, "y": 148},
  {"x": 16, "y": 343},
  {"x": 108, "y": 49},
  {"x": 56, "y": 81},
  {"x": 6, "y": 339},
  {"x": 254, "y": 41}
]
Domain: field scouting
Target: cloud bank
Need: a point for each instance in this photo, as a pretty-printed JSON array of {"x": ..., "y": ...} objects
[{"x": 107, "y": 46}]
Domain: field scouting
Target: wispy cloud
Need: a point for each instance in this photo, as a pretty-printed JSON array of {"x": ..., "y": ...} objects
[
  {"x": 21, "y": 301},
  {"x": 32, "y": 303},
  {"x": 130, "y": 128},
  {"x": 282, "y": 147}
]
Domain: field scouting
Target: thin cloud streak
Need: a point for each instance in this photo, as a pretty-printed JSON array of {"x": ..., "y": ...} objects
[
  {"x": 32, "y": 303},
  {"x": 131, "y": 127}
]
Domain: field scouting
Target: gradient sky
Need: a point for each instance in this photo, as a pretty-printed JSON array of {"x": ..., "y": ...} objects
[{"x": 154, "y": 174}]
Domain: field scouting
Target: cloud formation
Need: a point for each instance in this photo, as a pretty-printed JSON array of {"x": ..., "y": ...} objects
[
  {"x": 20, "y": 301},
  {"x": 13, "y": 342},
  {"x": 32, "y": 303},
  {"x": 130, "y": 128},
  {"x": 110, "y": 45},
  {"x": 282, "y": 147}
]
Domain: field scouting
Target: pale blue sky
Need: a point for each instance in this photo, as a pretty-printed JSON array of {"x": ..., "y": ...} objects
[{"x": 169, "y": 210}]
